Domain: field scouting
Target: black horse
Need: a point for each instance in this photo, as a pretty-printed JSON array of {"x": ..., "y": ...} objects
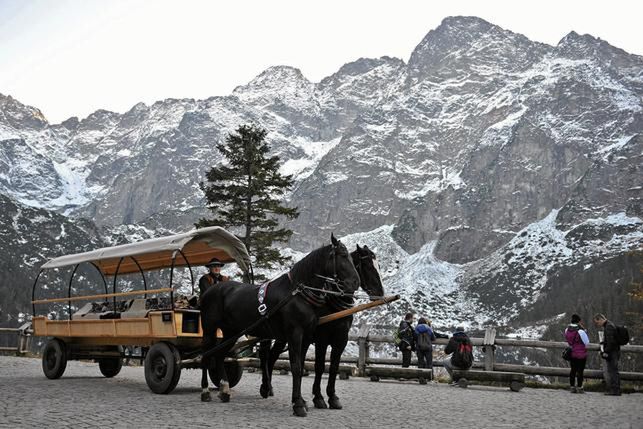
[
  {"x": 292, "y": 317},
  {"x": 333, "y": 334}
]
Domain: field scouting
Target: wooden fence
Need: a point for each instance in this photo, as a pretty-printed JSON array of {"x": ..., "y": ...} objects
[
  {"x": 488, "y": 344},
  {"x": 23, "y": 334},
  {"x": 359, "y": 365},
  {"x": 364, "y": 364}
]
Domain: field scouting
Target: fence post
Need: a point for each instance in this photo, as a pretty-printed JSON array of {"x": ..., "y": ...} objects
[
  {"x": 24, "y": 338},
  {"x": 489, "y": 348},
  {"x": 362, "y": 343}
]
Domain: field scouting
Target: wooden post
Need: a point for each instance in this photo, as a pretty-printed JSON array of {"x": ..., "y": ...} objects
[
  {"x": 489, "y": 348},
  {"x": 362, "y": 343}
]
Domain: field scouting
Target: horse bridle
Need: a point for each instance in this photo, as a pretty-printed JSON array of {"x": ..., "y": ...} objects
[
  {"x": 318, "y": 297},
  {"x": 360, "y": 266}
]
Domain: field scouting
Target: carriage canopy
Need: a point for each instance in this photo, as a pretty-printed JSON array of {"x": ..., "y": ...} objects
[{"x": 192, "y": 248}]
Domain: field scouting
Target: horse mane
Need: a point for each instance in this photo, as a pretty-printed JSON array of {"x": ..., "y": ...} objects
[{"x": 304, "y": 270}]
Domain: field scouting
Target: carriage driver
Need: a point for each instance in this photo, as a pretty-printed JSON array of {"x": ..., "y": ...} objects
[{"x": 213, "y": 276}]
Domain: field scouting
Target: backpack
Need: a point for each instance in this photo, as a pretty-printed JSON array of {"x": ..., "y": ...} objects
[
  {"x": 622, "y": 335},
  {"x": 463, "y": 355},
  {"x": 424, "y": 341},
  {"x": 396, "y": 337}
]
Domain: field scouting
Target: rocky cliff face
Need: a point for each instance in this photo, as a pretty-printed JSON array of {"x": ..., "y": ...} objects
[{"x": 480, "y": 169}]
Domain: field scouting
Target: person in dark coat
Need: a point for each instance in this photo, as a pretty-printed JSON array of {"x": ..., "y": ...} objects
[
  {"x": 611, "y": 352},
  {"x": 213, "y": 276},
  {"x": 576, "y": 337},
  {"x": 462, "y": 348},
  {"x": 407, "y": 339},
  {"x": 424, "y": 346}
]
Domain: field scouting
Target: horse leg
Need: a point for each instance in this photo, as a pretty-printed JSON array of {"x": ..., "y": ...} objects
[
  {"x": 205, "y": 362},
  {"x": 277, "y": 349},
  {"x": 266, "y": 370},
  {"x": 304, "y": 351},
  {"x": 294, "y": 353},
  {"x": 335, "y": 356},
  {"x": 224, "y": 386},
  {"x": 320, "y": 362}
]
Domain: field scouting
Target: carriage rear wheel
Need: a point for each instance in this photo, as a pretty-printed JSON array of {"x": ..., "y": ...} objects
[
  {"x": 232, "y": 369},
  {"x": 54, "y": 358},
  {"x": 162, "y": 369}
]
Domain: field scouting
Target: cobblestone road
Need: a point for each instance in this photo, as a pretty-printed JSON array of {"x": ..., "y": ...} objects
[{"x": 83, "y": 398}]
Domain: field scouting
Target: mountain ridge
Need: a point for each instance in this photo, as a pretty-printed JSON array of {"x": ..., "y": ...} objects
[{"x": 444, "y": 160}]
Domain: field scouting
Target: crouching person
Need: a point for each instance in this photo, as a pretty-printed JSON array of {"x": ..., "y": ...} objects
[{"x": 461, "y": 350}]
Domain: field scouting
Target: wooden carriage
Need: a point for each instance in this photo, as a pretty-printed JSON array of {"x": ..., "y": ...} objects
[{"x": 168, "y": 337}]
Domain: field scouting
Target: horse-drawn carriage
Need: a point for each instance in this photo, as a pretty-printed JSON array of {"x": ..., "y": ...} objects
[
  {"x": 148, "y": 319},
  {"x": 175, "y": 334}
]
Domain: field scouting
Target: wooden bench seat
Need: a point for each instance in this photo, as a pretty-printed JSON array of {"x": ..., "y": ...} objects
[{"x": 515, "y": 380}]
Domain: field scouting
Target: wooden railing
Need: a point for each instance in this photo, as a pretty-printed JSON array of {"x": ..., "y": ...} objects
[
  {"x": 488, "y": 344},
  {"x": 24, "y": 338}
]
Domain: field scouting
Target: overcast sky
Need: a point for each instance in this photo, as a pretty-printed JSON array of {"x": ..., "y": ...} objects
[{"x": 69, "y": 58}]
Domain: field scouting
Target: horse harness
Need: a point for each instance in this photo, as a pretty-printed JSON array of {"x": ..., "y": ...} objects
[
  {"x": 316, "y": 297},
  {"x": 300, "y": 288}
]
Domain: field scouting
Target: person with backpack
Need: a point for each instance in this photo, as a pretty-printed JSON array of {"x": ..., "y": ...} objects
[
  {"x": 577, "y": 338},
  {"x": 424, "y": 346},
  {"x": 462, "y": 348},
  {"x": 612, "y": 339},
  {"x": 406, "y": 339}
]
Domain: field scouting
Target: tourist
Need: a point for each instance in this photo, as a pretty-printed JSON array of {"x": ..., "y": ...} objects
[
  {"x": 462, "y": 348},
  {"x": 406, "y": 334},
  {"x": 577, "y": 338},
  {"x": 424, "y": 346},
  {"x": 611, "y": 352}
]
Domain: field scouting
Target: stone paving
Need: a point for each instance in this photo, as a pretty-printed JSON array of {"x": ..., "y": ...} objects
[{"x": 83, "y": 398}]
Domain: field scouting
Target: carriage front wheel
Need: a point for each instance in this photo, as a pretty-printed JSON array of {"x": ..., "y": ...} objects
[
  {"x": 54, "y": 358},
  {"x": 162, "y": 369},
  {"x": 232, "y": 369}
]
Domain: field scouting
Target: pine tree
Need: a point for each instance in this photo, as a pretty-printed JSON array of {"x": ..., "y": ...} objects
[{"x": 245, "y": 195}]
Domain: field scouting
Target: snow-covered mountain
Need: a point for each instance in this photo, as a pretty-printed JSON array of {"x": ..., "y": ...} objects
[{"x": 483, "y": 170}]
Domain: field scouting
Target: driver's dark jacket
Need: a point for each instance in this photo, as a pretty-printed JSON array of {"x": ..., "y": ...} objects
[{"x": 209, "y": 280}]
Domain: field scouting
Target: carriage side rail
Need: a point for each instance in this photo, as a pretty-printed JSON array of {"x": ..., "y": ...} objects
[{"x": 103, "y": 295}]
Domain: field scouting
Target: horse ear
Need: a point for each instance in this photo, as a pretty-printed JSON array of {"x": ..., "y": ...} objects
[
  {"x": 333, "y": 239},
  {"x": 359, "y": 249}
]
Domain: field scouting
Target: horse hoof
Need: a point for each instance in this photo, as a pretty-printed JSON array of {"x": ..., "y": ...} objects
[
  {"x": 205, "y": 397},
  {"x": 224, "y": 391},
  {"x": 334, "y": 403},
  {"x": 299, "y": 411},
  {"x": 319, "y": 402},
  {"x": 270, "y": 393},
  {"x": 264, "y": 391}
]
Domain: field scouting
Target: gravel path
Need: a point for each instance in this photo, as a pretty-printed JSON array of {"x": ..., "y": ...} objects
[{"x": 83, "y": 398}]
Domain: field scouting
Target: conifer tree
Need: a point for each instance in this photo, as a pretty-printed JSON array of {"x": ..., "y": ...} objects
[{"x": 245, "y": 193}]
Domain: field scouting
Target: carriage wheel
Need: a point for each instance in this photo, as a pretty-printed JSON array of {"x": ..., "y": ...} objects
[
  {"x": 516, "y": 386},
  {"x": 110, "y": 367},
  {"x": 54, "y": 358},
  {"x": 162, "y": 369},
  {"x": 232, "y": 369}
]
